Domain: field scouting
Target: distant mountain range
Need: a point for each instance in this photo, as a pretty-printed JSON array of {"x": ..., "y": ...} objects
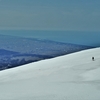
[{"x": 15, "y": 51}]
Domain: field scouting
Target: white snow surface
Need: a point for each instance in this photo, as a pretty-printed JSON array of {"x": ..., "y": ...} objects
[{"x": 71, "y": 77}]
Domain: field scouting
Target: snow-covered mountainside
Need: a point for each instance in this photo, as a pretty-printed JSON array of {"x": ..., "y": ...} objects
[
  {"x": 71, "y": 77},
  {"x": 15, "y": 51}
]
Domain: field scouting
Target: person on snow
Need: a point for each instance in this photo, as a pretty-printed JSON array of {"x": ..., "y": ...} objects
[{"x": 92, "y": 58}]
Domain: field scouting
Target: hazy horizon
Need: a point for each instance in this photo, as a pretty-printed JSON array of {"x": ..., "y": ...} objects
[
  {"x": 75, "y": 37},
  {"x": 73, "y": 21}
]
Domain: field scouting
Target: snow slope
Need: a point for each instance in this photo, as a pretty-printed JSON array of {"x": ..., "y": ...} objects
[{"x": 71, "y": 77}]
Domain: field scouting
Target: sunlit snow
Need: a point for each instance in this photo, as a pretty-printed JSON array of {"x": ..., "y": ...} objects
[{"x": 71, "y": 77}]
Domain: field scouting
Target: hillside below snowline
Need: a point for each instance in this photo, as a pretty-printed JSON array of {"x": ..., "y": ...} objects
[{"x": 16, "y": 51}]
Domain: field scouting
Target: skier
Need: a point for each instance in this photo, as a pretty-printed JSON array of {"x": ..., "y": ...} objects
[{"x": 92, "y": 58}]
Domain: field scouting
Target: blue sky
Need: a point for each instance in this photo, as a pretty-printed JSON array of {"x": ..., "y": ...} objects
[{"x": 70, "y": 15}]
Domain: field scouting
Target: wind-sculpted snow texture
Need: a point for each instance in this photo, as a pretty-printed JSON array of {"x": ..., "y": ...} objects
[{"x": 15, "y": 51}]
